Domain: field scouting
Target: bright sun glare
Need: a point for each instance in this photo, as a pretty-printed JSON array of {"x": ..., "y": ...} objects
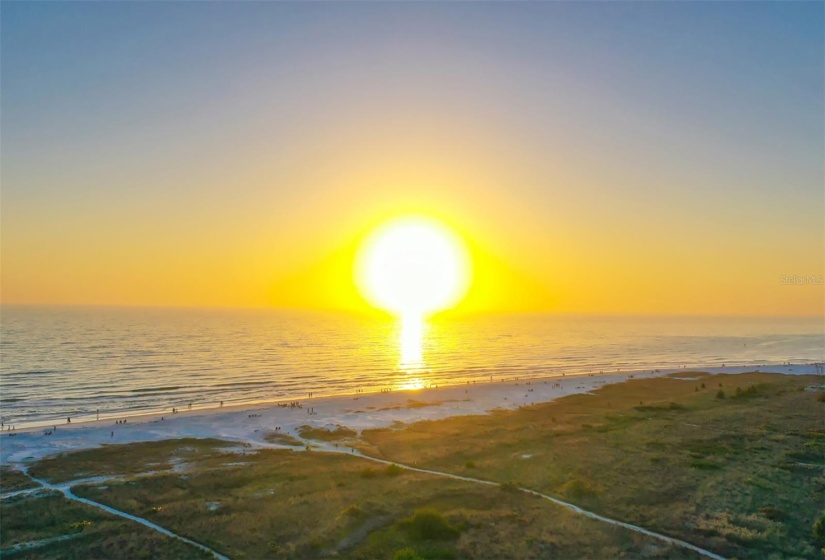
[{"x": 413, "y": 267}]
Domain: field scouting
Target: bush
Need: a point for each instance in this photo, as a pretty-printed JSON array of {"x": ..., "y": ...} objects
[
  {"x": 759, "y": 390},
  {"x": 820, "y": 397},
  {"x": 393, "y": 470},
  {"x": 819, "y": 527},
  {"x": 428, "y": 524},
  {"x": 352, "y": 510},
  {"x": 703, "y": 385},
  {"x": 406, "y": 554},
  {"x": 510, "y": 487},
  {"x": 368, "y": 473},
  {"x": 772, "y": 513},
  {"x": 720, "y": 394},
  {"x": 470, "y": 465},
  {"x": 579, "y": 488}
]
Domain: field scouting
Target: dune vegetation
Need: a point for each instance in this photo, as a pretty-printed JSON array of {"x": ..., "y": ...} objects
[{"x": 741, "y": 476}]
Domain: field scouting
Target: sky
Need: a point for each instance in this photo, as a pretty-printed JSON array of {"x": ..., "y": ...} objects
[{"x": 627, "y": 157}]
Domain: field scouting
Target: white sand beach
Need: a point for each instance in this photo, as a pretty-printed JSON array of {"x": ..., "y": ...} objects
[{"x": 250, "y": 423}]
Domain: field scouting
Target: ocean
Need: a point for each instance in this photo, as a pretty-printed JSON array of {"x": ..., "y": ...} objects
[{"x": 59, "y": 362}]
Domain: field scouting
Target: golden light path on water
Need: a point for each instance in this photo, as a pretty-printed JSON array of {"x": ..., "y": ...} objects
[
  {"x": 411, "y": 341},
  {"x": 412, "y": 266}
]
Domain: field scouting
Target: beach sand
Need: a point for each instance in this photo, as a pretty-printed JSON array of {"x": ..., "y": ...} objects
[{"x": 251, "y": 423}]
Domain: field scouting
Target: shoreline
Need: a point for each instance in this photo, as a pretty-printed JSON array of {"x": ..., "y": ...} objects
[
  {"x": 250, "y": 422},
  {"x": 108, "y": 417}
]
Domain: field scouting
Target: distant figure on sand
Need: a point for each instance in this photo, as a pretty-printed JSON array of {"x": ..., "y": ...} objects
[{"x": 68, "y": 420}]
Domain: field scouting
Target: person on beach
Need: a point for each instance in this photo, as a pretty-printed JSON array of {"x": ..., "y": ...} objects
[{"x": 69, "y": 420}]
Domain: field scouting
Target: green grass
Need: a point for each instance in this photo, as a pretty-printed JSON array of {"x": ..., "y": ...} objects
[
  {"x": 125, "y": 459},
  {"x": 655, "y": 452},
  {"x": 12, "y": 480},
  {"x": 68, "y": 529},
  {"x": 293, "y": 504}
]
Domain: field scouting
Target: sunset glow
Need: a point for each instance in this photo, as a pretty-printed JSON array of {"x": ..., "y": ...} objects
[
  {"x": 413, "y": 267},
  {"x": 380, "y": 275}
]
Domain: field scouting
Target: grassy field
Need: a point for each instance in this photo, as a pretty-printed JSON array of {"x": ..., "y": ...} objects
[
  {"x": 12, "y": 480},
  {"x": 740, "y": 475},
  {"x": 47, "y": 525},
  {"x": 285, "y": 504},
  {"x": 125, "y": 459}
]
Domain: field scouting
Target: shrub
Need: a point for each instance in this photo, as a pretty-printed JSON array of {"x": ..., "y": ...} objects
[
  {"x": 352, "y": 510},
  {"x": 720, "y": 394},
  {"x": 393, "y": 470},
  {"x": 703, "y": 385},
  {"x": 819, "y": 527},
  {"x": 510, "y": 486},
  {"x": 579, "y": 488},
  {"x": 704, "y": 465},
  {"x": 470, "y": 465},
  {"x": 772, "y": 513},
  {"x": 406, "y": 554},
  {"x": 759, "y": 390},
  {"x": 368, "y": 473},
  {"x": 820, "y": 397},
  {"x": 428, "y": 524}
]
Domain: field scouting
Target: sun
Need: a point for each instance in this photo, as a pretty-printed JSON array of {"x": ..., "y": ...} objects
[{"x": 413, "y": 267}]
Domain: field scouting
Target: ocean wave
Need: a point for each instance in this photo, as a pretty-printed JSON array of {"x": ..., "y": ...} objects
[{"x": 158, "y": 389}]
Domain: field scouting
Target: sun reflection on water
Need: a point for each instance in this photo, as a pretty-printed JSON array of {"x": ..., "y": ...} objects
[{"x": 410, "y": 341}]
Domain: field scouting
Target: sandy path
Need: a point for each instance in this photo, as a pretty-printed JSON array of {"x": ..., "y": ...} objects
[
  {"x": 562, "y": 503},
  {"x": 64, "y": 488}
]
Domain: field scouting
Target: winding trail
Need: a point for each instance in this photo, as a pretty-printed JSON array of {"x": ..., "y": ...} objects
[
  {"x": 66, "y": 491},
  {"x": 325, "y": 447},
  {"x": 572, "y": 507}
]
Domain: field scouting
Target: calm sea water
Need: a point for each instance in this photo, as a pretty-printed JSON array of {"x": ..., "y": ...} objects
[{"x": 60, "y": 362}]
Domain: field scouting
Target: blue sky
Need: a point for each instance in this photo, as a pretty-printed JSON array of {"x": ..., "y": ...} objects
[{"x": 209, "y": 117}]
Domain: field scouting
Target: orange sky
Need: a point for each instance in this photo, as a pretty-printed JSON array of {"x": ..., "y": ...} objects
[{"x": 599, "y": 165}]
